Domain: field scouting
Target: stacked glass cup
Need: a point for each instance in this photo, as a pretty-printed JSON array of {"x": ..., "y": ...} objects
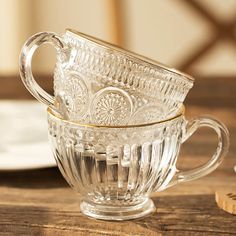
[{"x": 116, "y": 123}]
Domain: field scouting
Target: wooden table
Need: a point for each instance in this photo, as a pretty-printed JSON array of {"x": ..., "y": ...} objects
[{"x": 41, "y": 203}]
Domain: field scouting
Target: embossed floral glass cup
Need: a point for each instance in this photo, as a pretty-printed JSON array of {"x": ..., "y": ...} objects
[
  {"x": 96, "y": 82},
  {"x": 116, "y": 168}
]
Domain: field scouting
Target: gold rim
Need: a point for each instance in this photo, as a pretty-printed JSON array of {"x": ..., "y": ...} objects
[
  {"x": 180, "y": 113},
  {"x": 144, "y": 59}
]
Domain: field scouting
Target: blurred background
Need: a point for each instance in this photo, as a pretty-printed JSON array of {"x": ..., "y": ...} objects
[{"x": 196, "y": 36}]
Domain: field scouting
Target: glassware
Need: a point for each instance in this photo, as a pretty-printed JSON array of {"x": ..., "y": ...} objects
[
  {"x": 116, "y": 168},
  {"x": 97, "y": 82}
]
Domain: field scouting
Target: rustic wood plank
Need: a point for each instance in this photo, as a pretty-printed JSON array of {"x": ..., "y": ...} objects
[
  {"x": 196, "y": 214},
  {"x": 217, "y": 91},
  {"x": 11, "y": 87}
]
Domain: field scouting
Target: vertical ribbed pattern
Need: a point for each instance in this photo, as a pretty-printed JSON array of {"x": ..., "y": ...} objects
[
  {"x": 117, "y": 173},
  {"x": 101, "y": 173}
]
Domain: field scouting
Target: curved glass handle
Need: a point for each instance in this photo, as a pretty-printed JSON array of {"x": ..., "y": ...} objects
[
  {"x": 26, "y": 68},
  {"x": 215, "y": 161}
]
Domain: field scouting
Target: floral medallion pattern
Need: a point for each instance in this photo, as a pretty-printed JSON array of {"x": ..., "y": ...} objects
[
  {"x": 111, "y": 106},
  {"x": 147, "y": 114},
  {"x": 76, "y": 96}
]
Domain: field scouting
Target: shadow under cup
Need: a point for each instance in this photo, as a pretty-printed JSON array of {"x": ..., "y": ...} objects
[{"x": 116, "y": 168}]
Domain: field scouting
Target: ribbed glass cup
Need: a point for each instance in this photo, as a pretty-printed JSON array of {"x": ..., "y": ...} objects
[{"x": 116, "y": 168}]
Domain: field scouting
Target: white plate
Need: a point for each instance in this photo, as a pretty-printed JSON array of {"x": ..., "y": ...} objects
[{"x": 23, "y": 136}]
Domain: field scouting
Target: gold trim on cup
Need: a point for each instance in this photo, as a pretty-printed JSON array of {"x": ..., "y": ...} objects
[{"x": 179, "y": 114}]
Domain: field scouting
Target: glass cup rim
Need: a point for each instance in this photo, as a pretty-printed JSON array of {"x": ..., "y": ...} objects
[
  {"x": 180, "y": 113},
  {"x": 118, "y": 49}
]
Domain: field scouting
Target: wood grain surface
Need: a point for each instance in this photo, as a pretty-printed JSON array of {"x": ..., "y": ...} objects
[
  {"x": 11, "y": 87},
  {"x": 41, "y": 203}
]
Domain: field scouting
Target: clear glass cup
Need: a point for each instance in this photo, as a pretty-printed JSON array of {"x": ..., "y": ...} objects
[
  {"x": 97, "y": 82},
  {"x": 116, "y": 168}
]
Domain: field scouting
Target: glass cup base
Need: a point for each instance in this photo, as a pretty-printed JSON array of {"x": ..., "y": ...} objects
[{"x": 117, "y": 213}]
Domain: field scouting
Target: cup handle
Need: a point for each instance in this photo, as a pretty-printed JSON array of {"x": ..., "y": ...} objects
[
  {"x": 217, "y": 158},
  {"x": 26, "y": 68}
]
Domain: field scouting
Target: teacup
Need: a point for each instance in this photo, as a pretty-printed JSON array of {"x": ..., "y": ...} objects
[
  {"x": 116, "y": 168},
  {"x": 97, "y": 82}
]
